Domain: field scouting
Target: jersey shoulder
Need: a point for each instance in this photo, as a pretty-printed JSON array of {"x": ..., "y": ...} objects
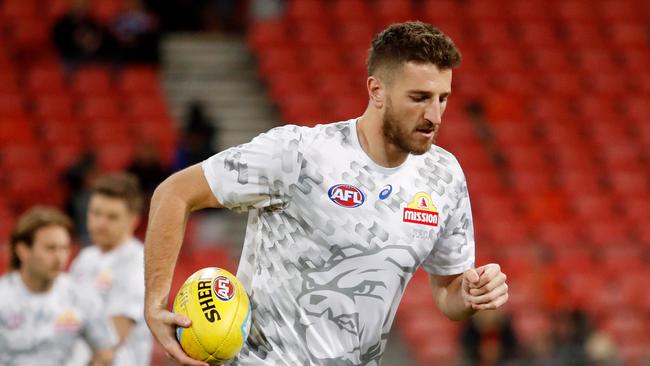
[{"x": 447, "y": 160}]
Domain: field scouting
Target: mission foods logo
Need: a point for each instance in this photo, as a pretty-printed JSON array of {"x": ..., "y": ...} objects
[
  {"x": 346, "y": 195},
  {"x": 421, "y": 211},
  {"x": 223, "y": 288}
]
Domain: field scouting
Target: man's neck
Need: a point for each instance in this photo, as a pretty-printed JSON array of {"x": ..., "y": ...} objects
[
  {"x": 114, "y": 246},
  {"x": 374, "y": 143},
  {"x": 34, "y": 284}
]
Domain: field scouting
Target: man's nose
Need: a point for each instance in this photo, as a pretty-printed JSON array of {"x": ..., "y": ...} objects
[{"x": 433, "y": 113}]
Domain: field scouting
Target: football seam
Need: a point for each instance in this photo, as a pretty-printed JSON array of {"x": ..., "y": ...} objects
[{"x": 231, "y": 324}]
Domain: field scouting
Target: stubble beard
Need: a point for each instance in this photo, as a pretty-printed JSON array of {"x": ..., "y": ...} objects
[{"x": 396, "y": 135}]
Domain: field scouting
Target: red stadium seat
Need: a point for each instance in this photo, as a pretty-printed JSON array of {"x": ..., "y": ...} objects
[
  {"x": 8, "y": 83},
  {"x": 322, "y": 61},
  {"x": 16, "y": 131},
  {"x": 144, "y": 108},
  {"x": 574, "y": 10},
  {"x": 349, "y": 11},
  {"x": 62, "y": 156},
  {"x": 313, "y": 35},
  {"x": 583, "y": 34},
  {"x": 302, "y": 109},
  {"x": 61, "y": 132},
  {"x": 388, "y": 11},
  {"x": 356, "y": 35},
  {"x": 54, "y": 9},
  {"x": 18, "y": 9},
  {"x": 12, "y": 106},
  {"x": 58, "y": 106},
  {"x": 550, "y": 58},
  {"x": 528, "y": 11},
  {"x": 114, "y": 156},
  {"x": 438, "y": 12},
  {"x": 106, "y": 10},
  {"x": 613, "y": 11},
  {"x": 493, "y": 33},
  {"x": 45, "y": 79},
  {"x": 557, "y": 234},
  {"x": 92, "y": 81},
  {"x": 594, "y": 60},
  {"x": 29, "y": 35},
  {"x": 100, "y": 108},
  {"x": 285, "y": 83},
  {"x": 20, "y": 156},
  {"x": 268, "y": 34},
  {"x": 628, "y": 184},
  {"x": 305, "y": 10},
  {"x": 278, "y": 59},
  {"x": 486, "y": 10},
  {"x": 139, "y": 80},
  {"x": 536, "y": 34},
  {"x": 634, "y": 34}
]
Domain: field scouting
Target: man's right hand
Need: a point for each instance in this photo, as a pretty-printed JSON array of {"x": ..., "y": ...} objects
[{"x": 163, "y": 324}]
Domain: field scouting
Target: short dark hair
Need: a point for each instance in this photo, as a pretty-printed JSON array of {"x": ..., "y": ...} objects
[
  {"x": 412, "y": 42},
  {"x": 124, "y": 186},
  {"x": 30, "y": 222}
]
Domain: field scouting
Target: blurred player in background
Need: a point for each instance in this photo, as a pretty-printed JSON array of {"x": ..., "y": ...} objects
[
  {"x": 43, "y": 312},
  {"x": 113, "y": 265},
  {"x": 341, "y": 216}
]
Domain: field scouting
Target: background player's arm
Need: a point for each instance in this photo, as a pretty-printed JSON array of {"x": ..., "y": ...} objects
[
  {"x": 123, "y": 326},
  {"x": 102, "y": 357},
  {"x": 171, "y": 204}
]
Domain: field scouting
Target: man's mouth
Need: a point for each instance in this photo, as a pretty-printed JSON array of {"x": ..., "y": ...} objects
[{"x": 426, "y": 131}]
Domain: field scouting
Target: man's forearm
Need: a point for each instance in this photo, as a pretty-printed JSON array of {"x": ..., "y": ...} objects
[
  {"x": 450, "y": 301},
  {"x": 167, "y": 218}
]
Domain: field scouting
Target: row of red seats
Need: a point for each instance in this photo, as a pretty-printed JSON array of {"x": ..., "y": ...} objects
[
  {"x": 390, "y": 11},
  {"x": 49, "y": 78},
  {"x": 18, "y": 11}
]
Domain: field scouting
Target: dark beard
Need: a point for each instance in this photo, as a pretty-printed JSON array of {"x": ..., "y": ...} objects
[{"x": 396, "y": 136}]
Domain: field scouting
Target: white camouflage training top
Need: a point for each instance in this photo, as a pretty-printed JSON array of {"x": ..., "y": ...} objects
[{"x": 333, "y": 239}]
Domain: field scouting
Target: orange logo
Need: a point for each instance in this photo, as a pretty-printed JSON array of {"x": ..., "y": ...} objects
[
  {"x": 421, "y": 211},
  {"x": 67, "y": 320}
]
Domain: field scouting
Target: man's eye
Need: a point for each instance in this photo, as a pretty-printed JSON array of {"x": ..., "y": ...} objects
[{"x": 418, "y": 99}]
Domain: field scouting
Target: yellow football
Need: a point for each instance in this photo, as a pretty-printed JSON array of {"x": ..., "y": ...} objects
[{"x": 217, "y": 304}]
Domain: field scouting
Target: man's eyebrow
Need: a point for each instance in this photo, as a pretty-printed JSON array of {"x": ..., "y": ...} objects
[{"x": 425, "y": 93}]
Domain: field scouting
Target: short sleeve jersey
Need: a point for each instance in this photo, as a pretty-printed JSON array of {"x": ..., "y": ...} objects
[
  {"x": 118, "y": 277},
  {"x": 333, "y": 239},
  {"x": 42, "y": 328}
]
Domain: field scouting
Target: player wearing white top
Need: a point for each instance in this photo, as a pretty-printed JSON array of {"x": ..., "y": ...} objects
[
  {"x": 42, "y": 311},
  {"x": 340, "y": 217},
  {"x": 113, "y": 265}
]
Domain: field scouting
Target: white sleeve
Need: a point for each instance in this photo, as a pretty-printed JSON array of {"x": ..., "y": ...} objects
[
  {"x": 98, "y": 329},
  {"x": 453, "y": 252},
  {"x": 259, "y": 173},
  {"x": 126, "y": 296}
]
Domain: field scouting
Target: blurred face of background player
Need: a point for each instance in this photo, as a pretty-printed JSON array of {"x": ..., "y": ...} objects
[
  {"x": 46, "y": 258},
  {"x": 110, "y": 222},
  {"x": 415, "y": 96}
]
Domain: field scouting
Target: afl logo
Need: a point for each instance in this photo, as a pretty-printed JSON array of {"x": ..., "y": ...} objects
[
  {"x": 223, "y": 288},
  {"x": 346, "y": 195},
  {"x": 385, "y": 192}
]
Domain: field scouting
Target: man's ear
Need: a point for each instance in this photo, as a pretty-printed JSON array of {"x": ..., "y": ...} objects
[
  {"x": 22, "y": 251},
  {"x": 376, "y": 92}
]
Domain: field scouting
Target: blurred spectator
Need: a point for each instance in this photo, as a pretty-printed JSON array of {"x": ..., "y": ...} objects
[
  {"x": 147, "y": 166},
  {"x": 79, "y": 178},
  {"x": 488, "y": 339},
  {"x": 198, "y": 136},
  {"x": 79, "y": 38},
  {"x": 137, "y": 33},
  {"x": 570, "y": 333},
  {"x": 601, "y": 351}
]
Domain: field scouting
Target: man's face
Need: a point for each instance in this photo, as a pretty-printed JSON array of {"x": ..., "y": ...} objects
[
  {"x": 416, "y": 97},
  {"x": 48, "y": 255},
  {"x": 109, "y": 221}
]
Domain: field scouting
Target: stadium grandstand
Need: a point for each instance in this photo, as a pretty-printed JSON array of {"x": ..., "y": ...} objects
[{"x": 549, "y": 118}]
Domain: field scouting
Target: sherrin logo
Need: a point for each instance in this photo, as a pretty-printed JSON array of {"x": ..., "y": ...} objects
[
  {"x": 223, "y": 288},
  {"x": 346, "y": 195},
  {"x": 421, "y": 211}
]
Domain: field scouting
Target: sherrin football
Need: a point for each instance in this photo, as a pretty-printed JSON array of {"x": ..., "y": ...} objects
[{"x": 217, "y": 304}]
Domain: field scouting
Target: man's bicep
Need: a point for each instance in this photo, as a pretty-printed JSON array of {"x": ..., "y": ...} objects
[{"x": 191, "y": 186}]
